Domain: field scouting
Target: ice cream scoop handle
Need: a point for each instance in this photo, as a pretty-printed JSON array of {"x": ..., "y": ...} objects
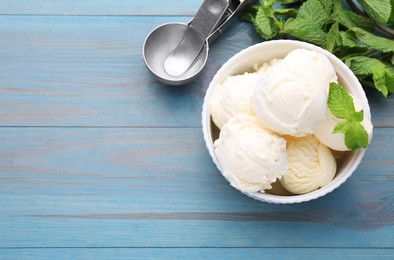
[{"x": 197, "y": 32}]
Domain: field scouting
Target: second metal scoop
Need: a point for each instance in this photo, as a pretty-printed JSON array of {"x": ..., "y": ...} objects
[{"x": 197, "y": 32}]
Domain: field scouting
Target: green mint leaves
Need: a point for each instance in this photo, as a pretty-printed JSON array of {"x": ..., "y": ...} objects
[
  {"x": 379, "y": 43},
  {"x": 346, "y": 33},
  {"x": 315, "y": 11},
  {"x": 340, "y": 102},
  {"x": 378, "y": 10},
  {"x": 372, "y": 71},
  {"x": 305, "y": 29},
  {"x": 264, "y": 23},
  {"x": 348, "y": 18},
  {"x": 341, "y": 106}
]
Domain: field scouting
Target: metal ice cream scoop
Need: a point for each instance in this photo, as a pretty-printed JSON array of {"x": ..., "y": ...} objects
[{"x": 176, "y": 52}]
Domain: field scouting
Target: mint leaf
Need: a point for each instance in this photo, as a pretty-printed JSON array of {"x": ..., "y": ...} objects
[
  {"x": 379, "y": 79},
  {"x": 348, "y": 40},
  {"x": 327, "y": 6},
  {"x": 341, "y": 128},
  {"x": 264, "y": 24},
  {"x": 342, "y": 43},
  {"x": 383, "y": 79},
  {"x": 358, "y": 116},
  {"x": 305, "y": 30},
  {"x": 389, "y": 74},
  {"x": 290, "y": 12},
  {"x": 362, "y": 65},
  {"x": 313, "y": 10},
  {"x": 378, "y": 10},
  {"x": 341, "y": 106},
  {"x": 332, "y": 37},
  {"x": 350, "y": 19},
  {"x": 382, "y": 73},
  {"x": 340, "y": 102},
  {"x": 376, "y": 42},
  {"x": 356, "y": 137},
  {"x": 391, "y": 19}
]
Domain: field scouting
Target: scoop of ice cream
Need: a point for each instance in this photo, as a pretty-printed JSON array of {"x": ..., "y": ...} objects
[
  {"x": 233, "y": 96},
  {"x": 266, "y": 65},
  {"x": 313, "y": 61},
  {"x": 250, "y": 156},
  {"x": 337, "y": 141},
  {"x": 311, "y": 165},
  {"x": 290, "y": 100}
]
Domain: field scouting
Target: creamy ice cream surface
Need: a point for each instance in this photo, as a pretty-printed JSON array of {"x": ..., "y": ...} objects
[
  {"x": 314, "y": 62},
  {"x": 290, "y": 100},
  {"x": 250, "y": 156},
  {"x": 276, "y": 130},
  {"x": 311, "y": 165},
  {"x": 337, "y": 141},
  {"x": 233, "y": 96}
]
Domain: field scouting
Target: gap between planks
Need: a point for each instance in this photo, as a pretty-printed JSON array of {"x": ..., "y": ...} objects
[
  {"x": 108, "y": 127},
  {"x": 179, "y": 247}
]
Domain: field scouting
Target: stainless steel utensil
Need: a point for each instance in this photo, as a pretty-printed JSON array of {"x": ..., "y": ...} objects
[{"x": 177, "y": 52}]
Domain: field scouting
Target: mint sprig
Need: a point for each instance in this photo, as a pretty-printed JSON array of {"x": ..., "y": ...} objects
[
  {"x": 341, "y": 106},
  {"x": 348, "y": 34},
  {"x": 372, "y": 71}
]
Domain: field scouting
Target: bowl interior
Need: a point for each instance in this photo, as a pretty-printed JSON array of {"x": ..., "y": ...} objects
[
  {"x": 264, "y": 52},
  {"x": 160, "y": 43}
]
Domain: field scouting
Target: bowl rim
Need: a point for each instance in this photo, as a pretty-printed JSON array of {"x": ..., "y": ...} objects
[{"x": 357, "y": 155}]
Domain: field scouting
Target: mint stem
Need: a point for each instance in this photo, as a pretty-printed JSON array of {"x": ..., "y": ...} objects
[{"x": 386, "y": 30}]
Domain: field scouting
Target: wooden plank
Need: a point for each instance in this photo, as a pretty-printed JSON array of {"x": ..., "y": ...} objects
[
  {"x": 99, "y": 7},
  {"x": 89, "y": 71},
  {"x": 152, "y": 187},
  {"x": 380, "y": 108},
  {"x": 196, "y": 253}
]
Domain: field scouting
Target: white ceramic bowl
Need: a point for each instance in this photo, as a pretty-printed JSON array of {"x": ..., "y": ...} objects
[{"x": 264, "y": 52}]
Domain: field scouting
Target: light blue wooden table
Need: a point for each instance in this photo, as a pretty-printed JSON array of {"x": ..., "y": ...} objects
[{"x": 100, "y": 161}]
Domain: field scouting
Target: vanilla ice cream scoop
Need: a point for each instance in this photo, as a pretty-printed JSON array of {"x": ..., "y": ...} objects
[
  {"x": 313, "y": 61},
  {"x": 290, "y": 100},
  {"x": 250, "y": 156},
  {"x": 233, "y": 96},
  {"x": 337, "y": 141},
  {"x": 311, "y": 165}
]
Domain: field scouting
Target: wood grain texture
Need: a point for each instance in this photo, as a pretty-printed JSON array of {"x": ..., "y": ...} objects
[
  {"x": 100, "y": 161},
  {"x": 89, "y": 71},
  {"x": 195, "y": 253},
  {"x": 99, "y": 7},
  {"x": 152, "y": 187}
]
